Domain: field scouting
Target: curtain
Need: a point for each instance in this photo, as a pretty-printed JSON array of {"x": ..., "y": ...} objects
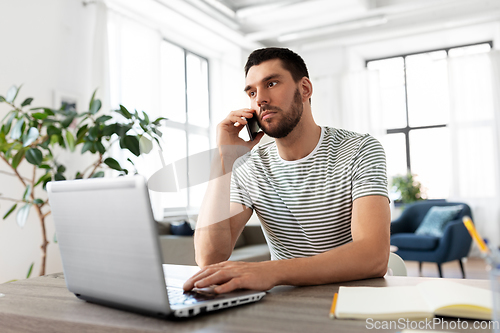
[
  {"x": 474, "y": 126},
  {"x": 361, "y": 103}
]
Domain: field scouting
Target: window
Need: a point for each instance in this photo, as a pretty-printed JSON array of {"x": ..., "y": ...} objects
[
  {"x": 416, "y": 112},
  {"x": 185, "y": 102},
  {"x": 165, "y": 80}
]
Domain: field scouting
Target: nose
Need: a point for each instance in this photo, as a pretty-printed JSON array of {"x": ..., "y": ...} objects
[{"x": 262, "y": 98}]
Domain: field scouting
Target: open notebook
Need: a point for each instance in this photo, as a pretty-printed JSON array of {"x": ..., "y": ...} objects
[{"x": 442, "y": 298}]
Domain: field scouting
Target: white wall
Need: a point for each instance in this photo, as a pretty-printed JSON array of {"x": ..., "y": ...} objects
[
  {"x": 46, "y": 47},
  {"x": 49, "y": 47}
]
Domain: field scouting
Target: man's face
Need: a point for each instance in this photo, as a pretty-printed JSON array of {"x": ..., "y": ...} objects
[{"x": 275, "y": 97}]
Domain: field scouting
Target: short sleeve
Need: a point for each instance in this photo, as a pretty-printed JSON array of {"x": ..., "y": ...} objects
[
  {"x": 239, "y": 178},
  {"x": 369, "y": 175}
]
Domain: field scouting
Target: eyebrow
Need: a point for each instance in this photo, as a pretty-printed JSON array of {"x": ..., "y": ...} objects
[{"x": 267, "y": 78}]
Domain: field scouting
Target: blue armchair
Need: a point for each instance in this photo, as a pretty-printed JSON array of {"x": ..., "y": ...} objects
[{"x": 453, "y": 245}]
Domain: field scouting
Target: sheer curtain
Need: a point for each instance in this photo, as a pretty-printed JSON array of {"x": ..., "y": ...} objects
[
  {"x": 361, "y": 103},
  {"x": 474, "y": 126}
]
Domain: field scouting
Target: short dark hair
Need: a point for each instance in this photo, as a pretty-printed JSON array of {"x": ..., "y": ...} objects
[{"x": 290, "y": 60}]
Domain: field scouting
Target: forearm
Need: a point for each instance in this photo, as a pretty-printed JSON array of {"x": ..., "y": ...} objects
[
  {"x": 352, "y": 261},
  {"x": 213, "y": 236}
]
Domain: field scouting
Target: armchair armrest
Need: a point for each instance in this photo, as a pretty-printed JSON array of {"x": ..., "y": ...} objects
[
  {"x": 456, "y": 241},
  {"x": 400, "y": 225}
]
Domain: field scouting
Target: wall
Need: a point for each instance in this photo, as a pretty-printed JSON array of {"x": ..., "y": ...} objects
[
  {"x": 53, "y": 49},
  {"x": 47, "y": 48}
]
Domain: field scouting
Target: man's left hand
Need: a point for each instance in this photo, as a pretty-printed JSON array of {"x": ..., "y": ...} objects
[{"x": 232, "y": 275}]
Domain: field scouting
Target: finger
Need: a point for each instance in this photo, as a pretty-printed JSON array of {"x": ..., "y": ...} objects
[
  {"x": 216, "y": 278},
  {"x": 189, "y": 284},
  {"x": 229, "y": 286}
]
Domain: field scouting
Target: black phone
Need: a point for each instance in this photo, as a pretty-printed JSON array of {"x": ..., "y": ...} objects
[{"x": 252, "y": 127}]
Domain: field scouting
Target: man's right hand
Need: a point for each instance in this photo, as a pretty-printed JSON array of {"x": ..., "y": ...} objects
[{"x": 230, "y": 127}]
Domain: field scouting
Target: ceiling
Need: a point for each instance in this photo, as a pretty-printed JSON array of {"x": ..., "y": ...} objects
[{"x": 291, "y": 22}]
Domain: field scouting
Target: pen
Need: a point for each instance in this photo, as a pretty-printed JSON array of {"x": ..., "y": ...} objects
[
  {"x": 474, "y": 234},
  {"x": 334, "y": 304}
]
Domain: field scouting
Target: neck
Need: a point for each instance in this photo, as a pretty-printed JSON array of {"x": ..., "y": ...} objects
[{"x": 302, "y": 140}]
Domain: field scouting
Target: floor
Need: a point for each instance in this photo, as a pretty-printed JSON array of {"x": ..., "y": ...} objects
[{"x": 475, "y": 268}]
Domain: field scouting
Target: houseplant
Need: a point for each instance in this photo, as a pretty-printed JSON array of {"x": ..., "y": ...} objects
[
  {"x": 30, "y": 135},
  {"x": 409, "y": 189}
]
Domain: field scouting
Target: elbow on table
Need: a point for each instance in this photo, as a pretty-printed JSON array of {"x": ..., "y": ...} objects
[{"x": 378, "y": 265}]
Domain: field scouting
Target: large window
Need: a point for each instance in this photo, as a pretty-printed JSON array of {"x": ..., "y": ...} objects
[
  {"x": 416, "y": 114},
  {"x": 185, "y": 104},
  {"x": 151, "y": 74}
]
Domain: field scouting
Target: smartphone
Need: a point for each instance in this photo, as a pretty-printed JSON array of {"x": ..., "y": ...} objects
[{"x": 252, "y": 127}]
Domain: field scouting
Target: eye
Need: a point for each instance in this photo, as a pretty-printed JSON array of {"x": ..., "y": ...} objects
[
  {"x": 251, "y": 93},
  {"x": 272, "y": 84}
]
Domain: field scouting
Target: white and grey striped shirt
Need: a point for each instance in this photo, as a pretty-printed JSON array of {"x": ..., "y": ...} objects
[{"x": 305, "y": 205}]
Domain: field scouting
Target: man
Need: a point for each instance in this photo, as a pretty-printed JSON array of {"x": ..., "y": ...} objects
[{"x": 320, "y": 193}]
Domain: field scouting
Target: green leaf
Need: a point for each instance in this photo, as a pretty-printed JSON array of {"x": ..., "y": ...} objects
[
  {"x": 92, "y": 99},
  {"x": 12, "y": 94},
  {"x": 70, "y": 139},
  {"x": 13, "y": 208},
  {"x": 38, "y": 201},
  {"x": 131, "y": 143},
  {"x": 68, "y": 120},
  {"x": 2, "y": 99},
  {"x": 27, "y": 101},
  {"x": 103, "y": 119},
  {"x": 158, "y": 120},
  {"x": 8, "y": 124},
  {"x": 145, "y": 144},
  {"x": 95, "y": 106},
  {"x": 27, "y": 192},
  {"x": 30, "y": 270},
  {"x": 31, "y": 137},
  {"x": 109, "y": 130},
  {"x": 124, "y": 112},
  {"x": 81, "y": 133},
  {"x": 18, "y": 158},
  {"x": 45, "y": 166},
  {"x": 78, "y": 175},
  {"x": 59, "y": 176},
  {"x": 146, "y": 117},
  {"x": 61, "y": 169},
  {"x": 39, "y": 115},
  {"x": 34, "y": 156},
  {"x": 52, "y": 130},
  {"x": 45, "y": 178},
  {"x": 131, "y": 162},
  {"x": 17, "y": 130},
  {"x": 113, "y": 164},
  {"x": 98, "y": 174},
  {"x": 86, "y": 146},
  {"x": 55, "y": 238},
  {"x": 93, "y": 132},
  {"x": 157, "y": 132},
  {"x": 54, "y": 138},
  {"x": 22, "y": 215},
  {"x": 100, "y": 148}
]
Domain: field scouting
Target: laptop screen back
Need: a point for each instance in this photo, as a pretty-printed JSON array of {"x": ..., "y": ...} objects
[{"x": 108, "y": 241}]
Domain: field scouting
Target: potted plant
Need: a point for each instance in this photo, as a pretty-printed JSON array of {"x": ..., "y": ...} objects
[
  {"x": 410, "y": 190},
  {"x": 30, "y": 135}
]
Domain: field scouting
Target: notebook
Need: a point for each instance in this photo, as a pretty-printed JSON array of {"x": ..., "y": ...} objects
[
  {"x": 111, "y": 254},
  {"x": 438, "y": 297}
]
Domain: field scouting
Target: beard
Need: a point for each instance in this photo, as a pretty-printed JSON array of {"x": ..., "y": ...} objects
[{"x": 289, "y": 121}]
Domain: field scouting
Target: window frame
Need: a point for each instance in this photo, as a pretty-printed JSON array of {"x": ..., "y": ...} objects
[
  {"x": 188, "y": 128},
  {"x": 407, "y": 129}
]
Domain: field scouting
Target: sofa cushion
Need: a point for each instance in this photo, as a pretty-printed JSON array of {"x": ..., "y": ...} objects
[
  {"x": 436, "y": 219},
  {"x": 410, "y": 241}
]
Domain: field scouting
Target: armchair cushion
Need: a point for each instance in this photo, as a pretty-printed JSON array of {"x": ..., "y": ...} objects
[
  {"x": 436, "y": 219},
  {"x": 410, "y": 241}
]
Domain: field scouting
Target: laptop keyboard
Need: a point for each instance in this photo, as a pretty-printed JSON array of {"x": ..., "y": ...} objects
[{"x": 180, "y": 297}]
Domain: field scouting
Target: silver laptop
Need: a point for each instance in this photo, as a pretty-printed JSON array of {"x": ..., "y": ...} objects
[{"x": 111, "y": 254}]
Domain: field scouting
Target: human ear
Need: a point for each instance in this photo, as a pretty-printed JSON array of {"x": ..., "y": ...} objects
[{"x": 307, "y": 89}]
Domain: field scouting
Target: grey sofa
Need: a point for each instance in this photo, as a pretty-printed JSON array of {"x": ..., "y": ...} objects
[{"x": 251, "y": 246}]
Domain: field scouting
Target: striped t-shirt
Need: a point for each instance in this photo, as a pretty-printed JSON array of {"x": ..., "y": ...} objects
[{"x": 305, "y": 205}]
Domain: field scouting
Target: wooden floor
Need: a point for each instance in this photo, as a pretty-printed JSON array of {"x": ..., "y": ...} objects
[{"x": 475, "y": 268}]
